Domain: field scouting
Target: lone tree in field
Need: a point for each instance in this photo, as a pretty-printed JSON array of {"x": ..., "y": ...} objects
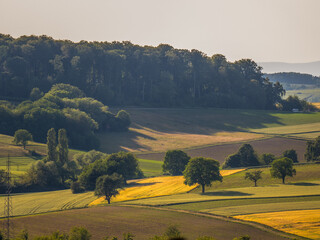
[
  {"x": 202, "y": 171},
  {"x": 292, "y": 154},
  {"x": 107, "y": 186},
  {"x": 281, "y": 168},
  {"x": 253, "y": 176},
  {"x": 313, "y": 150},
  {"x": 51, "y": 146},
  {"x": 175, "y": 162},
  {"x": 22, "y": 136}
]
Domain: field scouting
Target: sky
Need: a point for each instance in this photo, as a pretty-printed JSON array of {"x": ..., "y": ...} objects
[{"x": 263, "y": 30}]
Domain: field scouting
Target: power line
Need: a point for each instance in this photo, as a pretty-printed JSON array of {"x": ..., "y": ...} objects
[{"x": 8, "y": 202}]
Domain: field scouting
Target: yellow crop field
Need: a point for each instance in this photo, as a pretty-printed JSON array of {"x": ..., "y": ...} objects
[
  {"x": 317, "y": 104},
  {"x": 154, "y": 187},
  {"x": 304, "y": 223}
]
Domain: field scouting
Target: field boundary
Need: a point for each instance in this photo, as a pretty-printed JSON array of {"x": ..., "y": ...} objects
[
  {"x": 214, "y": 200},
  {"x": 260, "y": 226}
]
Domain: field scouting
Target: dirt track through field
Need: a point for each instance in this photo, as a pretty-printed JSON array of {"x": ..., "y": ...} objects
[
  {"x": 142, "y": 222},
  {"x": 276, "y": 146}
]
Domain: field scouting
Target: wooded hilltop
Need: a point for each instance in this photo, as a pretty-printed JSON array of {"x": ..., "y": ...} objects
[{"x": 124, "y": 74}]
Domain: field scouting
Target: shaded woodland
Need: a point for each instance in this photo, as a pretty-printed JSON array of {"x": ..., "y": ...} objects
[{"x": 124, "y": 74}]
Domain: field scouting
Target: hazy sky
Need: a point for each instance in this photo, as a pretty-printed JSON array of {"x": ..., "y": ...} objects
[{"x": 264, "y": 30}]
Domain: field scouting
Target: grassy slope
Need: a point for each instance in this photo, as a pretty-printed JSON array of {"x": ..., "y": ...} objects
[
  {"x": 143, "y": 223},
  {"x": 311, "y": 95},
  {"x": 31, "y": 203},
  {"x": 8, "y": 147},
  {"x": 163, "y": 129}
]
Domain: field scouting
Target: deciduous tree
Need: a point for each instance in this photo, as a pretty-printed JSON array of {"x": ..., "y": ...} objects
[
  {"x": 22, "y": 136},
  {"x": 202, "y": 171},
  {"x": 292, "y": 154},
  {"x": 175, "y": 162},
  {"x": 281, "y": 168},
  {"x": 254, "y": 176},
  {"x": 108, "y": 185},
  {"x": 313, "y": 150}
]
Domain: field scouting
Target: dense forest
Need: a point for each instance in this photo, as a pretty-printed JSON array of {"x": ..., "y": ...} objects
[
  {"x": 64, "y": 106},
  {"x": 123, "y": 74},
  {"x": 290, "y": 79}
]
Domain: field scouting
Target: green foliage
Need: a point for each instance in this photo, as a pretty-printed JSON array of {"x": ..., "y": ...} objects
[
  {"x": 293, "y": 102},
  {"x": 23, "y": 235},
  {"x": 253, "y": 176},
  {"x": 292, "y": 154},
  {"x": 123, "y": 163},
  {"x": 313, "y": 150},
  {"x": 122, "y": 120},
  {"x": 79, "y": 233},
  {"x": 206, "y": 238},
  {"x": 36, "y": 94},
  {"x": 202, "y": 171},
  {"x": 246, "y": 237},
  {"x": 84, "y": 159},
  {"x": 107, "y": 186},
  {"x": 51, "y": 146},
  {"x": 76, "y": 187},
  {"x": 62, "y": 90},
  {"x": 62, "y": 148},
  {"x": 281, "y": 168},
  {"x": 128, "y": 74},
  {"x": 22, "y": 136},
  {"x": 90, "y": 173},
  {"x": 245, "y": 157},
  {"x": 267, "y": 158},
  {"x": 175, "y": 162},
  {"x": 64, "y": 106},
  {"x": 128, "y": 236},
  {"x": 42, "y": 174}
]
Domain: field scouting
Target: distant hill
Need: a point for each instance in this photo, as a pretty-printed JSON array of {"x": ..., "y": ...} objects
[
  {"x": 293, "y": 78},
  {"x": 312, "y": 68}
]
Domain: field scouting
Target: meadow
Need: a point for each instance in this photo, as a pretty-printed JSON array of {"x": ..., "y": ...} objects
[
  {"x": 143, "y": 223},
  {"x": 157, "y": 130},
  {"x": 274, "y": 145},
  {"x": 39, "y": 202},
  {"x": 309, "y": 94}
]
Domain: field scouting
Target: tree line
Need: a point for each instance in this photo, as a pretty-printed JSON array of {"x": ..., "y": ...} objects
[
  {"x": 63, "y": 106},
  {"x": 81, "y": 233},
  {"x": 122, "y": 73}
]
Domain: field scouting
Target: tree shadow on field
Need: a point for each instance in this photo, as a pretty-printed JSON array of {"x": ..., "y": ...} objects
[
  {"x": 135, "y": 184},
  {"x": 304, "y": 184},
  {"x": 227, "y": 193}
]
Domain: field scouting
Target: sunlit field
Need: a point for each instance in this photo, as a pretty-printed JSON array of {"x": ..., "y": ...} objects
[
  {"x": 155, "y": 187},
  {"x": 303, "y": 222}
]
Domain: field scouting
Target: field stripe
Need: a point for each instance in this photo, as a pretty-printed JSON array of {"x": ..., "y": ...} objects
[{"x": 302, "y": 222}]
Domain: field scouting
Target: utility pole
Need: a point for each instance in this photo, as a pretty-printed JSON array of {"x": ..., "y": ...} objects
[{"x": 8, "y": 203}]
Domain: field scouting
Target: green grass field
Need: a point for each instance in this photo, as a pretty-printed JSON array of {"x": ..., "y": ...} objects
[
  {"x": 39, "y": 202},
  {"x": 157, "y": 130},
  {"x": 305, "y": 173},
  {"x": 249, "y": 206},
  {"x": 311, "y": 95},
  {"x": 305, "y": 131},
  {"x": 150, "y": 168},
  {"x": 18, "y": 165},
  {"x": 276, "y": 190}
]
